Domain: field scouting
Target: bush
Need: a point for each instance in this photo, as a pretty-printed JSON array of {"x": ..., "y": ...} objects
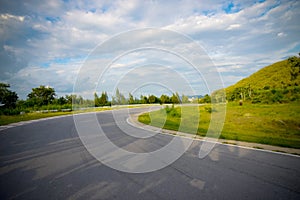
[
  {"x": 209, "y": 109},
  {"x": 8, "y": 111},
  {"x": 266, "y": 87},
  {"x": 285, "y": 91},
  {"x": 168, "y": 109},
  {"x": 173, "y": 111},
  {"x": 296, "y": 90},
  {"x": 277, "y": 97},
  {"x": 256, "y": 100}
]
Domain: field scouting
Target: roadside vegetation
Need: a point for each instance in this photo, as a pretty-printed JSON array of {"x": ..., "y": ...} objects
[
  {"x": 43, "y": 102},
  {"x": 8, "y": 119},
  {"x": 263, "y": 108},
  {"x": 274, "y": 124}
]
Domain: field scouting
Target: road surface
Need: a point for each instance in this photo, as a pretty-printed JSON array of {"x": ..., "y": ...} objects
[{"x": 46, "y": 160}]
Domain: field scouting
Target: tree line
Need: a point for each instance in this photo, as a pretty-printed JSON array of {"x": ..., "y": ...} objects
[{"x": 44, "y": 98}]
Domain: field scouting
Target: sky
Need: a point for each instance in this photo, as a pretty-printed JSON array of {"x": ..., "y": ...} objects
[{"x": 86, "y": 46}]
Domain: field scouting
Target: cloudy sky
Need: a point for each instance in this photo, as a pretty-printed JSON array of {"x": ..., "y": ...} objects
[{"x": 53, "y": 42}]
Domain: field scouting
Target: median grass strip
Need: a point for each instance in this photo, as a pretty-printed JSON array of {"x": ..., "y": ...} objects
[{"x": 275, "y": 124}]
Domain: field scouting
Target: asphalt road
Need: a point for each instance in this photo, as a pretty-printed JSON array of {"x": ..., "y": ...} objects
[{"x": 47, "y": 160}]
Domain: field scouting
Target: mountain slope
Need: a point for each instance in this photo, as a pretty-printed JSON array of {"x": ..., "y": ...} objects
[{"x": 278, "y": 82}]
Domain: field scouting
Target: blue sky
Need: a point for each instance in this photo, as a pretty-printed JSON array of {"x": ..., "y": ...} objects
[{"x": 48, "y": 42}]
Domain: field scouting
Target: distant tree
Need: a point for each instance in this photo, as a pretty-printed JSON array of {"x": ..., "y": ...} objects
[
  {"x": 152, "y": 99},
  {"x": 175, "y": 98},
  {"x": 8, "y": 99},
  {"x": 184, "y": 99},
  {"x": 96, "y": 100},
  {"x": 113, "y": 100},
  {"x": 71, "y": 98},
  {"x": 119, "y": 99},
  {"x": 294, "y": 63},
  {"x": 42, "y": 95},
  {"x": 205, "y": 99},
  {"x": 79, "y": 100},
  {"x": 103, "y": 99},
  {"x": 131, "y": 99},
  {"x": 144, "y": 99},
  {"x": 62, "y": 101},
  {"x": 164, "y": 99}
]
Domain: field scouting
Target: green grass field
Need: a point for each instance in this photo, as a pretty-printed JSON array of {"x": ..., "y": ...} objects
[
  {"x": 275, "y": 124},
  {"x": 4, "y": 119}
]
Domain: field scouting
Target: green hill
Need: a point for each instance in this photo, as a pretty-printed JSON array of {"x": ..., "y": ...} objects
[{"x": 279, "y": 82}]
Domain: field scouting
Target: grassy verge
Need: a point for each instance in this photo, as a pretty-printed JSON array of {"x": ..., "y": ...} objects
[
  {"x": 6, "y": 119},
  {"x": 276, "y": 124}
]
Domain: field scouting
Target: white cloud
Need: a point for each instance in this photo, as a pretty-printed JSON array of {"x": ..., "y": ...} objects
[
  {"x": 230, "y": 68},
  {"x": 57, "y": 34},
  {"x": 281, "y": 34},
  {"x": 14, "y": 17},
  {"x": 233, "y": 26},
  {"x": 61, "y": 77}
]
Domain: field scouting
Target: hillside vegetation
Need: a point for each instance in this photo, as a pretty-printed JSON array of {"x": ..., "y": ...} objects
[
  {"x": 274, "y": 121},
  {"x": 279, "y": 82}
]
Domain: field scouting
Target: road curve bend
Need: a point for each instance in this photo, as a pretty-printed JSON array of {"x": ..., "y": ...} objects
[{"x": 47, "y": 160}]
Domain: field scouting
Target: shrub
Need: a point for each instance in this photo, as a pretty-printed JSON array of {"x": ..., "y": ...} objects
[
  {"x": 173, "y": 111},
  {"x": 266, "y": 87},
  {"x": 8, "y": 111},
  {"x": 209, "y": 109},
  {"x": 168, "y": 109},
  {"x": 285, "y": 91},
  {"x": 273, "y": 91},
  {"x": 256, "y": 100}
]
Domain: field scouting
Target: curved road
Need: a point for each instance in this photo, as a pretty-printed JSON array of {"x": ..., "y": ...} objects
[{"x": 46, "y": 160}]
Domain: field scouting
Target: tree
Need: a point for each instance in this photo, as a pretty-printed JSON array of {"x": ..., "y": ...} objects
[
  {"x": 71, "y": 98},
  {"x": 152, "y": 99},
  {"x": 119, "y": 99},
  {"x": 61, "y": 101},
  {"x": 96, "y": 100},
  {"x": 42, "y": 95},
  {"x": 8, "y": 99},
  {"x": 144, "y": 99},
  {"x": 205, "y": 99},
  {"x": 164, "y": 99},
  {"x": 103, "y": 99},
  {"x": 294, "y": 63},
  {"x": 185, "y": 99},
  {"x": 175, "y": 98},
  {"x": 131, "y": 99}
]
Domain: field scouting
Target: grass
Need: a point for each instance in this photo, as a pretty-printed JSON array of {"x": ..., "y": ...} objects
[
  {"x": 275, "y": 124},
  {"x": 5, "y": 119}
]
